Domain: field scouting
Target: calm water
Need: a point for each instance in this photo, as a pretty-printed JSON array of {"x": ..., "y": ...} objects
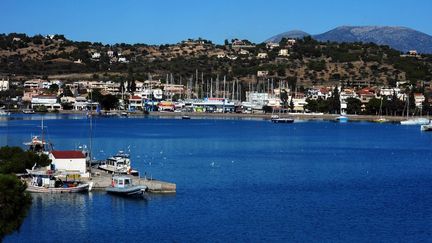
[{"x": 242, "y": 180}]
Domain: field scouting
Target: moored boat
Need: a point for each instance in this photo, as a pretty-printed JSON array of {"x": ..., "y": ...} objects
[
  {"x": 342, "y": 119},
  {"x": 119, "y": 163},
  {"x": 4, "y": 113},
  {"x": 123, "y": 186},
  {"x": 46, "y": 182},
  {"x": 426, "y": 128},
  {"x": 283, "y": 120},
  {"x": 380, "y": 120},
  {"x": 28, "y": 111},
  {"x": 416, "y": 121}
]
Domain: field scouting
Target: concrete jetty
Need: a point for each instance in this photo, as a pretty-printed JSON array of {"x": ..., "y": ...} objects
[{"x": 101, "y": 180}]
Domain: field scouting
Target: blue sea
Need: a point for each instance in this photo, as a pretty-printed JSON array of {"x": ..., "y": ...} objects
[{"x": 241, "y": 180}]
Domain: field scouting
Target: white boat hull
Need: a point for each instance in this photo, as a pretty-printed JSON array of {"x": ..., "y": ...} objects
[
  {"x": 40, "y": 189},
  {"x": 418, "y": 121}
]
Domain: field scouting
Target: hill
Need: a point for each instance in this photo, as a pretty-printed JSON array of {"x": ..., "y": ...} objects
[
  {"x": 306, "y": 62},
  {"x": 400, "y": 38},
  {"x": 294, "y": 34}
]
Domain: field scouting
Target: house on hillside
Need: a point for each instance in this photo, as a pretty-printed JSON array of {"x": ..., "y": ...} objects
[
  {"x": 283, "y": 52},
  {"x": 419, "y": 98},
  {"x": 366, "y": 94},
  {"x": 271, "y": 45},
  {"x": 4, "y": 85},
  {"x": 262, "y": 55}
]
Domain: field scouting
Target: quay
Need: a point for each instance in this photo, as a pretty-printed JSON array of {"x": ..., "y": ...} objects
[
  {"x": 102, "y": 179},
  {"x": 257, "y": 115}
]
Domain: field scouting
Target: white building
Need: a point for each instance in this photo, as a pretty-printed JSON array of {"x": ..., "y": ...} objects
[
  {"x": 283, "y": 52},
  {"x": 96, "y": 55},
  {"x": 272, "y": 45},
  {"x": 4, "y": 85},
  {"x": 262, "y": 73},
  {"x": 262, "y": 55},
  {"x": 123, "y": 60},
  {"x": 33, "y": 84},
  {"x": 49, "y": 102},
  {"x": 419, "y": 99},
  {"x": 135, "y": 103},
  {"x": 243, "y": 52},
  {"x": 68, "y": 161},
  {"x": 110, "y": 53}
]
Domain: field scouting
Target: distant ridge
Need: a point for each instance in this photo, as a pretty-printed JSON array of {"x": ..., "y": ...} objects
[
  {"x": 399, "y": 38},
  {"x": 296, "y": 34}
]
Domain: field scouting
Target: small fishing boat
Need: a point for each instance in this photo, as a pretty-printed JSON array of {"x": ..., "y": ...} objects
[
  {"x": 342, "y": 119},
  {"x": 416, "y": 121},
  {"x": 4, "y": 113},
  {"x": 380, "y": 120},
  {"x": 282, "y": 120},
  {"x": 28, "y": 111},
  {"x": 46, "y": 182},
  {"x": 122, "y": 186},
  {"x": 426, "y": 128},
  {"x": 186, "y": 117}
]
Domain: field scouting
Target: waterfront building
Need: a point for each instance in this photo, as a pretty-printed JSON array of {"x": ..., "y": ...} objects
[
  {"x": 419, "y": 98},
  {"x": 71, "y": 161},
  {"x": 48, "y": 101},
  {"x": 135, "y": 103},
  {"x": 34, "y": 84},
  {"x": 366, "y": 94}
]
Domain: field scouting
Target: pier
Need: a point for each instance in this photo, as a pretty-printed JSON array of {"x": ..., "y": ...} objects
[{"x": 102, "y": 179}]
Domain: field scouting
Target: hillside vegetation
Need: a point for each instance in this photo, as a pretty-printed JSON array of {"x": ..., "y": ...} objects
[{"x": 310, "y": 62}]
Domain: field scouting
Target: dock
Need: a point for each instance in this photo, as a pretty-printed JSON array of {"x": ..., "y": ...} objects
[{"x": 102, "y": 179}]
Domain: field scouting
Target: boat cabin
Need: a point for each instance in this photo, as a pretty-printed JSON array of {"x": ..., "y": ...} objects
[{"x": 121, "y": 181}]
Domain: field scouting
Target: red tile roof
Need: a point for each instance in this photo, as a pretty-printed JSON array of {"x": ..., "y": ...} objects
[
  {"x": 68, "y": 154},
  {"x": 135, "y": 97}
]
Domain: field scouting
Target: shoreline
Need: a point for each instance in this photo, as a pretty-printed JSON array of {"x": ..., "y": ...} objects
[{"x": 264, "y": 116}]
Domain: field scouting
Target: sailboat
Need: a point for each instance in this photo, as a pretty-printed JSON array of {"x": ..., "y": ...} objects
[
  {"x": 279, "y": 119},
  {"x": 414, "y": 121},
  {"x": 39, "y": 145},
  {"x": 381, "y": 119}
]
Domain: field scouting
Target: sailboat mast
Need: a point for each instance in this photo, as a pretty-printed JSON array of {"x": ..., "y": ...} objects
[{"x": 91, "y": 132}]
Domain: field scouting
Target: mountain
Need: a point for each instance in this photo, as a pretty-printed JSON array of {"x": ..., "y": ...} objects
[
  {"x": 296, "y": 34},
  {"x": 399, "y": 38}
]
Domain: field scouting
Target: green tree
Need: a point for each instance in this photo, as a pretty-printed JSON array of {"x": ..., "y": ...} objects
[
  {"x": 334, "y": 102},
  {"x": 291, "y": 105},
  {"x": 133, "y": 86},
  {"x": 284, "y": 97},
  {"x": 353, "y": 106},
  {"x": 312, "y": 105},
  {"x": 67, "y": 92},
  {"x": 54, "y": 88},
  {"x": 95, "y": 95},
  {"x": 109, "y": 102},
  {"x": 15, "y": 160},
  {"x": 373, "y": 106},
  {"x": 14, "y": 204}
]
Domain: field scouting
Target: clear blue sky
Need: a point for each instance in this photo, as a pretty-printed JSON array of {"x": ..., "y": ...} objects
[{"x": 170, "y": 21}]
